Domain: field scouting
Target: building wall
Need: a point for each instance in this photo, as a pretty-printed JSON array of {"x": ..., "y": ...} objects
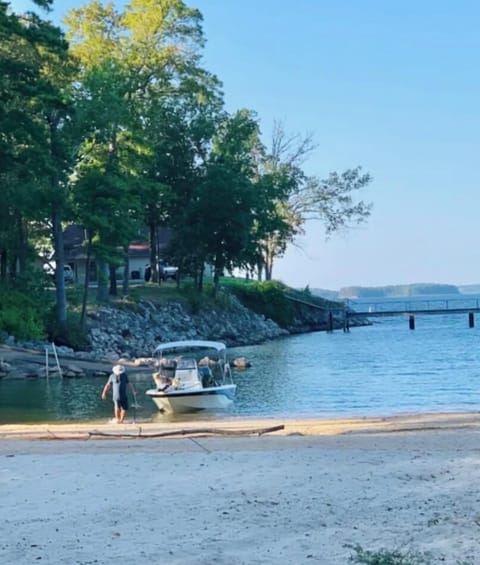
[{"x": 137, "y": 269}]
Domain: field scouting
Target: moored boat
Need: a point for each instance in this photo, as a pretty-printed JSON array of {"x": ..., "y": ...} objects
[{"x": 192, "y": 375}]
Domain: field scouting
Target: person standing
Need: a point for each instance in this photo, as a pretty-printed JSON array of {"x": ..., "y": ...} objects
[{"x": 118, "y": 382}]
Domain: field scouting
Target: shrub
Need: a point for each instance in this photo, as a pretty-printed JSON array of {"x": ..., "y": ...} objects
[
  {"x": 387, "y": 557},
  {"x": 23, "y": 314},
  {"x": 265, "y": 298},
  {"x": 70, "y": 334}
]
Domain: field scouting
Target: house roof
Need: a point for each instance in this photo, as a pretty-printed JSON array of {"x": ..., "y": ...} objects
[
  {"x": 139, "y": 249},
  {"x": 74, "y": 238}
]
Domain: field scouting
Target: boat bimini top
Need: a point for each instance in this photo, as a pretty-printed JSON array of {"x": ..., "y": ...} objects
[{"x": 189, "y": 344}]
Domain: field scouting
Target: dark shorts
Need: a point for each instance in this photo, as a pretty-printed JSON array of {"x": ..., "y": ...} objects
[{"x": 123, "y": 403}]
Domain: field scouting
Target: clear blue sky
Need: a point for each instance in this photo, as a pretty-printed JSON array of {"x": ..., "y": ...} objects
[{"x": 391, "y": 86}]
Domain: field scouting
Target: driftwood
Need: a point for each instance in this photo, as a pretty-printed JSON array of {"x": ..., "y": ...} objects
[{"x": 189, "y": 432}]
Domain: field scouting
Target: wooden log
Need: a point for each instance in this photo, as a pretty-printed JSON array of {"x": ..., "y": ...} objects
[{"x": 189, "y": 432}]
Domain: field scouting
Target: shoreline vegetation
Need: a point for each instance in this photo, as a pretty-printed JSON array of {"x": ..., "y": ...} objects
[{"x": 127, "y": 329}]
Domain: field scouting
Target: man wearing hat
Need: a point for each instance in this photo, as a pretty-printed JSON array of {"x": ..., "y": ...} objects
[{"x": 118, "y": 382}]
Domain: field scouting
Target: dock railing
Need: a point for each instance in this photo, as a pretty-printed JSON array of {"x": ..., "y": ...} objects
[{"x": 417, "y": 306}]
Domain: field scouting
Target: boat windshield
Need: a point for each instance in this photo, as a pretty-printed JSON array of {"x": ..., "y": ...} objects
[{"x": 186, "y": 363}]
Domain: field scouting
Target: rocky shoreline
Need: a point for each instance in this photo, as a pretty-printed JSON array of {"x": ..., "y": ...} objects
[{"x": 120, "y": 335}]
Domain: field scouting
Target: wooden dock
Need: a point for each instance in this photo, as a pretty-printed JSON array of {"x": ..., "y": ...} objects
[
  {"x": 364, "y": 310},
  {"x": 418, "y": 306},
  {"x": 411, "y": 308}
]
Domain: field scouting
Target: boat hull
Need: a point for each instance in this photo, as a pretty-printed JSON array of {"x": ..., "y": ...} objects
[{"x": 178, "y": 401}]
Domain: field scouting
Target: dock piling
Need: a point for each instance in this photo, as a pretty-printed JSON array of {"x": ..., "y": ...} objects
[
  {"x": 411, "y": 322},
  {"x": 471, "y": 320}
]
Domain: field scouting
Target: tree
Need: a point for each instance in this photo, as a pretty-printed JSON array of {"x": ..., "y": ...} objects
[
  {"x": 138, "y": 67},
  {"x": 298, "y": 197},
  {"x": 331, "y": 200},
  {"x": 35, "y": 89},
  {"x": 21, "y": 139},
  {"x": 221, "y": 213}
]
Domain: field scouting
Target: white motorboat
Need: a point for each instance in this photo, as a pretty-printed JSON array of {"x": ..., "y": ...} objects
[{"x": 192, "y": 375}]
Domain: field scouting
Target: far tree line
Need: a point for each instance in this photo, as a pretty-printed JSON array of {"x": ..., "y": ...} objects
[{"x": 114, "y": 124}]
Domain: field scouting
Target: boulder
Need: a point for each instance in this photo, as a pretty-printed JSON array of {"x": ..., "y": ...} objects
[{"x": 240, "y": 363}]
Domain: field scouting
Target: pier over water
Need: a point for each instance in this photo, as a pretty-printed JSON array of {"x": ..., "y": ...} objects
[{"x": 411, "y": 308}]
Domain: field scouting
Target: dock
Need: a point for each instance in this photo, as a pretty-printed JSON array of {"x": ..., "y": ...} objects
[{"x": 355, "y": 309}]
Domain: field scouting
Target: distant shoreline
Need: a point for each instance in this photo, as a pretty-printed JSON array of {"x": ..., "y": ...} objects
[{"x": 397, "y": 291}]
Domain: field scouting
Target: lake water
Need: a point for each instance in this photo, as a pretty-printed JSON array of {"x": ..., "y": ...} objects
[{"x": 379, "y": 370}]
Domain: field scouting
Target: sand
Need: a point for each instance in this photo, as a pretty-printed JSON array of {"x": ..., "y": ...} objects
[{"x": 308, "y": 493}]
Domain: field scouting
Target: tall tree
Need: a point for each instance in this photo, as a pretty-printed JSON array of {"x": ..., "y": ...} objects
[
  {"x": 21, "y": 139},
  {"x": 36, "y": 91},
  {"x": 131, "y": 61},
  {"x": 298, "y": 197},
  {"x": 221, "y": 213}
]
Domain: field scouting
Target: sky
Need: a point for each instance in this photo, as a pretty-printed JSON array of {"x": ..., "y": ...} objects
[{"x": 392, "y": 87}]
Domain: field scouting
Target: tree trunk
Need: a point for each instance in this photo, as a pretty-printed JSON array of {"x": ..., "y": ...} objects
[
  {"x": 102, "y": 288},
  {"x": 268, "y": 271},
  {"x": 60, "y": 295},
  {"x": 216, "y": 275},
  {"x": 22, "y": 243},
  {"x": 3, "y": 266},
  {"x": 87, "y": 280},
  {"x": 154, "y": 277},
  {"x": 126, "y": 274},
  {"x": 268, "y": 263},
  {"x": 259, "y": 270},
  {"x": 12, "y": 268},
  {"x": 201, "y": 275},
  {"x": 112, "y": 275}
]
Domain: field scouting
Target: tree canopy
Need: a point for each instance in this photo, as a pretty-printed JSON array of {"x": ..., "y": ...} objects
[{"x": 117, "y": 126}]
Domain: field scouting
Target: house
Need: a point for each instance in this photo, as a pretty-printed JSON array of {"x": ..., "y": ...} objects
[{"x": 75, "y": 245}]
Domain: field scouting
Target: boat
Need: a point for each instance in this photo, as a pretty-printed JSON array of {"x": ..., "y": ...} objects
[{"x": 192, "y": 375}]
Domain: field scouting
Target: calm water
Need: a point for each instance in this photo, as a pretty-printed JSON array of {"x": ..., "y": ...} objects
[{"x": 379, "y": 370}]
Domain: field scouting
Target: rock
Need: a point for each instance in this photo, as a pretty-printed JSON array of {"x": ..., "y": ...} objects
[
  {"x": 5, "y": 367},
  {"x": 240, "y": 363},
  {"x": 143, "y": 362},
  {"x": 10, "y": 340},
  {"x": 151, "y": 324},
  {"x": 73, "y": 369}
]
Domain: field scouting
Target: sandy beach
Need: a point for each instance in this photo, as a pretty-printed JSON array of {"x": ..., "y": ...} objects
[{"x": 308, "y": 493}]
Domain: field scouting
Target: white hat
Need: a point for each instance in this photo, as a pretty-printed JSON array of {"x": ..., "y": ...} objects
[{"x": 118, "y": 369}]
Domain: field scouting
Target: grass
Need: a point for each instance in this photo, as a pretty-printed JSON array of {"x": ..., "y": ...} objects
[{"x": 395, "y": 557}]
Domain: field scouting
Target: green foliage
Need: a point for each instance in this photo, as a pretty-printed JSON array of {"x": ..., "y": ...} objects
[
  {"x": 129, "y": 303},
  {"x": 195, "y": 300},
  {"x": 387, "y": 557},
  {"x": 265, "y": 298},
  {"x": 22, "y": 314},
  {"x": 122, "y": 127},
  {"x": 74, "y": 295},
  {"x": 70, "y": 333}
]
